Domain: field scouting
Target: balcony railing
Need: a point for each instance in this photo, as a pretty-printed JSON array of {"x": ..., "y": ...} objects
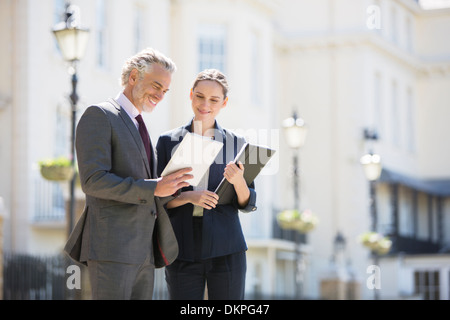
[
  {"x": 49, "y": 204},
  {"x": 409, "y": 245},
  {"x": 279, "y": 233}
]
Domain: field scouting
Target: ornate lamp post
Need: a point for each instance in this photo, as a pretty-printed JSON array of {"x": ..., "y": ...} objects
[
  {"x": 339, "y": 244},
  {"x": 372, "y": 167},
  {"x": 72, "y": 42},
  {"x": 295, "y": 133}
]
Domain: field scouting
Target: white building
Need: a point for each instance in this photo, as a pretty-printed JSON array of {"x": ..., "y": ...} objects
[{"x": 344, "y": 66}]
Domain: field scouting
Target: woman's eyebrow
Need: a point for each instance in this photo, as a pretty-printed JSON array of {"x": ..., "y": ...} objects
[{"x": 217, "y": 97}]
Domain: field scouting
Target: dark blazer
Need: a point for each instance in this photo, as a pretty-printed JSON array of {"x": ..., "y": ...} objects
[
  {"x": 122, "y": 219},
  {"x": 222, "y": 232}
]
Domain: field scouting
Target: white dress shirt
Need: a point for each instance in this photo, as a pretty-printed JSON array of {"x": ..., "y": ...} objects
[
  {"x": 129, "y": 107},
  {"x": 202, "y": 185}
]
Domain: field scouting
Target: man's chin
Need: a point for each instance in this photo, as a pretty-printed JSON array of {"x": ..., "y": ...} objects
[{"x": 148, "y": 108}]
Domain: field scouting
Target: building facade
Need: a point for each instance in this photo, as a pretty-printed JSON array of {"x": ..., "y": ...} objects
[{"x": 346, "y": 67}]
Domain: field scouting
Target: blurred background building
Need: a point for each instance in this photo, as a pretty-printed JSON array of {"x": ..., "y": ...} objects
[{"x": 366, "y": 76}]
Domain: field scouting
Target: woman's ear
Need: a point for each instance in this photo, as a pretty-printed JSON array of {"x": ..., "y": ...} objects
[
  {"x": 191, "y": 94},
  {"x": 225, "y": 101}
]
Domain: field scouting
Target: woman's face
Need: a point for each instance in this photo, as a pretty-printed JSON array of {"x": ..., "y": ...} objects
[{"x": 207, "y": 100}]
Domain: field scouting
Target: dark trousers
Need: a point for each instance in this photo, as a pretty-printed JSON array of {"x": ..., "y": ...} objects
[
  {"x": 121, "y": 281},
  {"x": 224, "y": 276}
]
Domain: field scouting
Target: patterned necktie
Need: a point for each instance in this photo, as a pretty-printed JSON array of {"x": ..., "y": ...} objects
[{"x": 145, "y": 137}]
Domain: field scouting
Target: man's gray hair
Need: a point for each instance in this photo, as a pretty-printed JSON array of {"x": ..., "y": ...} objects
[{"x": 142, "y": 61}]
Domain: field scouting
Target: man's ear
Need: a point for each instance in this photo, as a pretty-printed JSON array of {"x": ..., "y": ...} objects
[
  {"x": 191, "y": 94},
  {"x": 133, "y": 77}
]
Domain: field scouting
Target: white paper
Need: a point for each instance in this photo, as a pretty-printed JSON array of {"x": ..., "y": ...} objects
[{"x": 193, "y": 151}]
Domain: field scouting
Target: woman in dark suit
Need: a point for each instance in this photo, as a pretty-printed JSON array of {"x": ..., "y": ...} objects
[{"x": 211, "y": 243}]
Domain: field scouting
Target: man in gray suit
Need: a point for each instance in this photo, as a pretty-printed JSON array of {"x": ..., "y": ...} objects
[{"x": 124, "y": 231}]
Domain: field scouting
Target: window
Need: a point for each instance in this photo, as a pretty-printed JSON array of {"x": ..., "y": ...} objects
[
  {"x": 58, "y": 16},
  {"x": 426, "y": 284},
  {"x": 407, "y": 211},
  {"x": 212, "y": 47},
  {"x": 409, "y": 34},
  {"x": 58, "y": 13},
  {"x": 255, "y": 69},
  {"x": 101, "y": 33},
  {"x": 410, "y": 123},
  {"x": 62, "y": 138},
  {"x": 394, "y": 29},
  {"x": 49, "y": 203},
  {"x": 378, "y": 111},
  {"x": 423, "y": 226},
  {"x": 138, "y": 29},
  {"x": 395, "y": 115}
]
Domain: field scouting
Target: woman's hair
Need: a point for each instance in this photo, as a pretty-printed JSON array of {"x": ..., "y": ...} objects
[
  {"x": 213, "y": 75},
  {"x": 142, "y": 61}
]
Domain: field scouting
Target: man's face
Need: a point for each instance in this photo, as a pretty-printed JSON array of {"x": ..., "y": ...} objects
[{"x": 146, "y": 93}]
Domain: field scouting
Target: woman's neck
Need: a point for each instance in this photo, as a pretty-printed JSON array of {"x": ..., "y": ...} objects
[{"x": 204, "y": 128}]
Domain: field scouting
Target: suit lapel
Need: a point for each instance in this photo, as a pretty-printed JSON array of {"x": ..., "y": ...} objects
[
  {"x": 136, "y": 136},
  {"x": 154, "y": 160}
]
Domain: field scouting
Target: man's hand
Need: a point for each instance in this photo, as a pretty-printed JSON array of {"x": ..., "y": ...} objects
[{"x": 170, "y": 184}]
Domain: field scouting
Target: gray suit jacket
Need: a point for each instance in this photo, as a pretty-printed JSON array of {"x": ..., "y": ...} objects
[{"x": 122, "y": 221}]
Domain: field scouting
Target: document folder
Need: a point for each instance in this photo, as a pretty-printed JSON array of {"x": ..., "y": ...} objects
[
  {"x": 254, "y": 158},
  {"x": 193, "y": 151}
]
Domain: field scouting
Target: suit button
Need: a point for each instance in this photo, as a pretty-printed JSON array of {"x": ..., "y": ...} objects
[{"x": 143, "y": 201}]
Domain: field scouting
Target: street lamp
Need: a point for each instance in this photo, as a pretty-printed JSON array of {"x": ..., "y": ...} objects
[
  {"x": 295, "y": 133},
  {"x": 372, "y": 168},
  {"x": 339, "y": 243},
  {"x": 71, "y": 37},
  {"x": 371, "y": 163},
  {"x": 72, "y": 42}
]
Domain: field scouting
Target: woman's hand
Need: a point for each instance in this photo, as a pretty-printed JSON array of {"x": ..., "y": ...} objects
[
  {"x": 234, "y": 173},
  {"x": 203, "y": 198}
]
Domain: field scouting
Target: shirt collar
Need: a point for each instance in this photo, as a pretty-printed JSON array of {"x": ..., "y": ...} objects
[
  {"x": 217, "y": 129},
  {"x": 128, "y": 106}
]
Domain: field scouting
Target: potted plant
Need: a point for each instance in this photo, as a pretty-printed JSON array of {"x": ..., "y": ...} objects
[
  {"x": 303, "y": 222},
  {"x": 376, "y": 242},
  {"x": 57, "y": 169}
]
